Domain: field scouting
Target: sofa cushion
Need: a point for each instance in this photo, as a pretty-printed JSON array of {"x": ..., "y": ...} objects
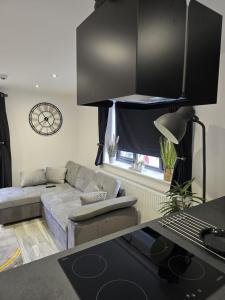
[
  {"x": 71, "y": 175},
  {"x": 90, "y": 211},
  {"x": 16, "y": 196},
  {"x": 94, "y": 197},
  {"x": 92, "y": 187},
  {"x": 32, "y": 178},
  {"x": 84, "y": 176},
  {"x": 20, "y": 201},
  {"x": 61, "y": 205},
  {"x": 50, "y": 199},
  {"x": 107, "y": 183},
  {"x": 55, "y": 175}
]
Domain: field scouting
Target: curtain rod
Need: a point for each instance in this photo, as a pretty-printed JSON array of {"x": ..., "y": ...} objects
[{"x": 3, "y": 95}]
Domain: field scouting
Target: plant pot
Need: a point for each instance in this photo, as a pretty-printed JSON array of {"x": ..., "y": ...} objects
[
  {"x": 168, "y": 173},
  {"x": 112, "y": 159},
  {"x": 183, "y": 202}
]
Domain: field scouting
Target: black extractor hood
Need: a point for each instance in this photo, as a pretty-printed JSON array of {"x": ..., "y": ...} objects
[{"x": 148, "y": 52}]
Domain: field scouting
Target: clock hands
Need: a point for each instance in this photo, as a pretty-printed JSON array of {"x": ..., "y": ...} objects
[
  {"x": 46, "y": 121},
  {"x": 44, "y": 115}
]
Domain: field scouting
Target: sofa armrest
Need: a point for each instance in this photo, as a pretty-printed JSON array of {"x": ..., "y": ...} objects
[
  {"x": 90, "y": 229},
  {"x": 87, "y": 212}
]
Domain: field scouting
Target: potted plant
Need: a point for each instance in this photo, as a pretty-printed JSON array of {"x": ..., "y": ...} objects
[
  {"x": 113, "y": 148},
  {"x": 169, "y": 157},
  {"x": 138, "y": 165},
  {"x": 180, "y": 197}
]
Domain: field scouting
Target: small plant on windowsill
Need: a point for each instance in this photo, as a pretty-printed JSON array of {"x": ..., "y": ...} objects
[
  {"x": 138, "y": 165},
  {"x": 169, "y": 157},
  {"x": 180, "y": 197},
  {"x": 113, "y": 148}
]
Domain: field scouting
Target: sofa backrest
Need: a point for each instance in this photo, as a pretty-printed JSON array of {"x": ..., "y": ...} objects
[
  {"x": 72, "y": 170},
  {"x": 84, "y": 176},
  {"x": 79, "y": 177},
  {"x": 107, "y": 183}
]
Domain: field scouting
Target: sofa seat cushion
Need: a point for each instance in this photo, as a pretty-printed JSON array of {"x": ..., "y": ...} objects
[
  {"x": 17, "y": 196},
  {"x": 61, "y": 205}
]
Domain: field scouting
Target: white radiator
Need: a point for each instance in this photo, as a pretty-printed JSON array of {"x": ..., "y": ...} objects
[{"x": 149, "y": 200}]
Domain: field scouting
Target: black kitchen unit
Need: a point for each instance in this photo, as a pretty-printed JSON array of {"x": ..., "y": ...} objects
[
  {"x": 139, "y": 266},
  {"x": 149, "y": 51}
]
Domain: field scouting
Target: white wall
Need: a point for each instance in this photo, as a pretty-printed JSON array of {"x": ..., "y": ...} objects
[
  {"x": 30, "y": 150},
  {"x": 213, "y": 116},
  {"x": 87, "y": 135}
]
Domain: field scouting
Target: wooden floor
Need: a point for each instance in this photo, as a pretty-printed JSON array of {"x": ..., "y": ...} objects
[{"x": 34, "y": 239}]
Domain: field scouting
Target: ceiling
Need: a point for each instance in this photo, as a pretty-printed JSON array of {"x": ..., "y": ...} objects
[{"x": 38, "y": 38}]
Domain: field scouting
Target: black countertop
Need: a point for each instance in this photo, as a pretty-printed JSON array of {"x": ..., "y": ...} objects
[
  {"x": 45, "y": 280},
  {"x": 212, "y": 212}
]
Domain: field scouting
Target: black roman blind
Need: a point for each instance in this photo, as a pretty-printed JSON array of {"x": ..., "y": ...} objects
[{"x": 136, "y": 130}]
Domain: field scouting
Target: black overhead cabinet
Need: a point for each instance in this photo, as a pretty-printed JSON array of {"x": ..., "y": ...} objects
[
  {"x": 147, "y": 52},
  {"x": 160, "y": 48}
]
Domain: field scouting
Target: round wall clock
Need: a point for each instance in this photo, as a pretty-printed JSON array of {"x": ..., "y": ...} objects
[{"x": 45, "y": 118}]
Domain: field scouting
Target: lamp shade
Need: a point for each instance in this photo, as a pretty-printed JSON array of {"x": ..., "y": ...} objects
[{"x": 173, "y": 125}]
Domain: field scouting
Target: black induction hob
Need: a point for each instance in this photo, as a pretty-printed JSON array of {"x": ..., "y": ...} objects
[{"x": 142, "y": 265}]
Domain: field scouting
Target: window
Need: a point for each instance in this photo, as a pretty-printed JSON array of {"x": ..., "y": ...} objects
[
  {"x": 128, "y": 157},
  {"x": 150, "y": 162}
]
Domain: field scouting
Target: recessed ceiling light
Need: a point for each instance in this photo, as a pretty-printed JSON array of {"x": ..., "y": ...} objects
[
  {"x": 54, "y": 75},
  {"x": 3, "y": 76},
  {"x": 37, "y": 86}
]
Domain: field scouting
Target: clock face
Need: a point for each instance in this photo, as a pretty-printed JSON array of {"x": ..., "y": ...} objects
[{"x": 45, "y": 119}]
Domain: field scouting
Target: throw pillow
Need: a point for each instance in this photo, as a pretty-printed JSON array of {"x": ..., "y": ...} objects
[
  {"x": 93, "y": 197},
  {"x": 92, "y": 187},
  {"x": 55, "y": 175},
  {"x": 32, "y": 178}
]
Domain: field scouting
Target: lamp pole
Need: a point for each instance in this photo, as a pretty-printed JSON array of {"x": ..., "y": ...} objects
[
  {"x": 174, "y": 126},
  {"x": 195, "y": 119}
]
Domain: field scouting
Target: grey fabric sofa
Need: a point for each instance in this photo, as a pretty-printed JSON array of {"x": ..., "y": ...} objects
[
  {"x": 58, "y": 206},
  {"x": 18, "y": 204}
]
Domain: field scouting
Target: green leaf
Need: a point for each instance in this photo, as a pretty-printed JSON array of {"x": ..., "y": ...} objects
[
  {"x": 174, "y": 203},
  {"x": 168, "y": 153}
]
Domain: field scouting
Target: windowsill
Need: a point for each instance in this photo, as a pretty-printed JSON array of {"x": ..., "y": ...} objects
[
  {"x": 149, "y": 178},
  {"x": 145, "y": 172}
]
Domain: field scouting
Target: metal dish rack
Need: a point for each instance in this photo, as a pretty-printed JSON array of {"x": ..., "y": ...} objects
[{"x": 188, "y": 227}]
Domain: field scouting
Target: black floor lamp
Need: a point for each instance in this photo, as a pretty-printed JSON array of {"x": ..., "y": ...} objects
[{"x": 174, "y": 125}]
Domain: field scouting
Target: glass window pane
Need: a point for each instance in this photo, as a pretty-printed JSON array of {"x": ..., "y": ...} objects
[
  {"x": 127, "y": 155},
  {"x": 150, "y": 161}
]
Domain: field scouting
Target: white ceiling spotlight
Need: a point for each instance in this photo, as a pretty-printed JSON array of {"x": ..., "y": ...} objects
[
  {"x": 37, "y": 86},
  {"x": 54, "y": 75}
]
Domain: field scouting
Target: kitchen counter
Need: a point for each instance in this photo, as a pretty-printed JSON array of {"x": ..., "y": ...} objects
[{"x": 45, "y": 280}]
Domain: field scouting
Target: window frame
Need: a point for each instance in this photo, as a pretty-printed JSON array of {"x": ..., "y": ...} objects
[
  {"x": 125, "y": 159},
  {"x": 131, "y": 161}
]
